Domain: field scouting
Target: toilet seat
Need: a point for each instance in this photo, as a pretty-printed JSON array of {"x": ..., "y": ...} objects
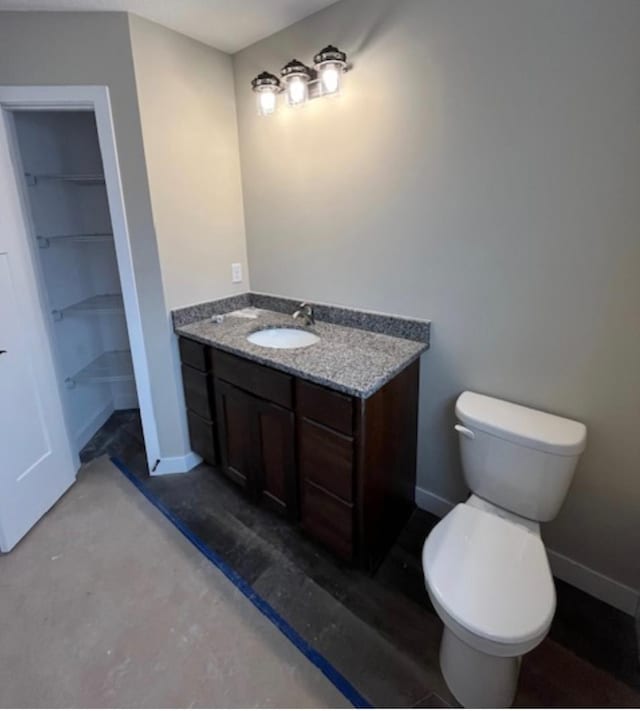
[{"x": 489, "y": 580}]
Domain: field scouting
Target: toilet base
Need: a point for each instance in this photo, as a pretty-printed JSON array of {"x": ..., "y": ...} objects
[{"x": 476, "y": 679}]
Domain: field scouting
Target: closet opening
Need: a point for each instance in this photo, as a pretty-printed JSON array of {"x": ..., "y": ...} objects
[{"x": 76, "y": 266}]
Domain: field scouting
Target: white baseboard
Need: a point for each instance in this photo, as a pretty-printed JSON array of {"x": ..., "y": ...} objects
[
  {"x": 600, "y": 586},
  {"x": 604, "y": 588},
  {"x": 93, "y": 424},
  {"x": 127, "y": 401},
  {"x": 432, "y": 503},
  {"x": 177, "y": 465}
]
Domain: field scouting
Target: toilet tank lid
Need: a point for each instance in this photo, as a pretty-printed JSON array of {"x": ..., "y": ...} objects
[{"x": 521, "y": 425}]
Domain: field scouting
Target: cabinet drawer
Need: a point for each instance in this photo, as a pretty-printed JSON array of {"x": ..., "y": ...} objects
[
  {"x": 202, "y": 436},
  {"x": 325, "y": 406},
  {"x": 198, "y": 392},
  {"x": 260, "y": 380},
  {"x": 195, "y": 354},
  {"x": 326, "y": 458},
  {"x": 327, "y": 519}
]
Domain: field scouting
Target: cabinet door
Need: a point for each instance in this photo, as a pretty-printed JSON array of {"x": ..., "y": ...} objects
[
  {"x": 275, "y": 450},
  {"x": 236, "y": 413}
]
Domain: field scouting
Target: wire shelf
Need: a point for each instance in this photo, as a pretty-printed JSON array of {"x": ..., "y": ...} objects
[
  {"x": 95, "y": 305},
  {"x": 76, "y": 178},
  {"x": 91, "y": 238},
  {"x": 110, "y": 367}
]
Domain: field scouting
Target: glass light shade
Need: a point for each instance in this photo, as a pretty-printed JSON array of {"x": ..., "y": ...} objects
[
  {"x": 330, "y": 77},
  {"x": 330, "y": 64},
  {"x": 266, "y": 101},
  {"x": 297, "y": 90}
]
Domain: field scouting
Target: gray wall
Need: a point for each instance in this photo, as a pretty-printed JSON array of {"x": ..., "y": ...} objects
[
  {"x": 186, "y": 101},
  {"x": 481, "y": 169},
  {"x": 94, "y": 48},
  {"x": 189, "y": 128}
]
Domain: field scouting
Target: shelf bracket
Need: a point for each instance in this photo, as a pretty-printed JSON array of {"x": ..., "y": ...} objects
[
  {"x": 70, "y": 383},
  {"x": 57, "y": 315},
  {"x": 31, "y": 179},
  {"x": 43, "y": 242}
]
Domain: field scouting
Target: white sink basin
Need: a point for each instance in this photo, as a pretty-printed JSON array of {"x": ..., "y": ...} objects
[{"x": 282, "y": 338}]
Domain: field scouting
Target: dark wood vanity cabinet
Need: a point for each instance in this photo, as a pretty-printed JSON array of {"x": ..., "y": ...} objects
[
  {"x": 341, "y": 466},
  {"x": 197, "y": 381}
]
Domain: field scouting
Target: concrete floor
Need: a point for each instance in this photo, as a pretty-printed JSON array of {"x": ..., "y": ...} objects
[
  {"x": 105, "y": 603},
  {"x": 379, "y": 631}
]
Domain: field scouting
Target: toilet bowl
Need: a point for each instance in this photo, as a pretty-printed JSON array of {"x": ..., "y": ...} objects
[
  {"x": 490, "y": 583},
  {"x": 485, "y": 566}
]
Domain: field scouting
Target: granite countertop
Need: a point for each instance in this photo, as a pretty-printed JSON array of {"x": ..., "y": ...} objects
[{"x": 350, "y": 360}]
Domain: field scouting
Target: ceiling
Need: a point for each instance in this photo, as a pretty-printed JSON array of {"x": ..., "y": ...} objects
[{"x": 229, "y": 25}]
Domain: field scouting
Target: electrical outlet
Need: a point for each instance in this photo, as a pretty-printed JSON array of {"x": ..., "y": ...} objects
[{"x": 236, "y": 273}]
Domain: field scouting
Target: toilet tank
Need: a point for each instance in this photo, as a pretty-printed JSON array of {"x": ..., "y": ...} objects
[{"x": 517, "y": 458}]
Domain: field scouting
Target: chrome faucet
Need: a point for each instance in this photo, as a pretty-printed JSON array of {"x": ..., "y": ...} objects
[{"x": 305, "y": 312}]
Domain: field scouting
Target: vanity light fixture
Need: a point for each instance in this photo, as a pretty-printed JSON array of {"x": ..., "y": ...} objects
[
  {"x": 296, "y": 77},
  {"x": 330, "y": 63},
  {"x": 266, "y": 86},
  {"x": 300, "y": 82}
]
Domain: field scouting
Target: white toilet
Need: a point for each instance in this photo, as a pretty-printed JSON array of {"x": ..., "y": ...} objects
[{"x": 485, "y": 566}]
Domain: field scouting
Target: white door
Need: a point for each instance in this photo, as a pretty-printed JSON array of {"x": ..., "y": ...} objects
[{"x": 36, "y": 464}]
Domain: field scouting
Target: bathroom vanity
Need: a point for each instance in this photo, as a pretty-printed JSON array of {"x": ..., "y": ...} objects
[{"x": 328, "y": 443}]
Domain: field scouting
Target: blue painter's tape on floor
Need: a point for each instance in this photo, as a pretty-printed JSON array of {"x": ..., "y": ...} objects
[{"x": 334, "y": 676}]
